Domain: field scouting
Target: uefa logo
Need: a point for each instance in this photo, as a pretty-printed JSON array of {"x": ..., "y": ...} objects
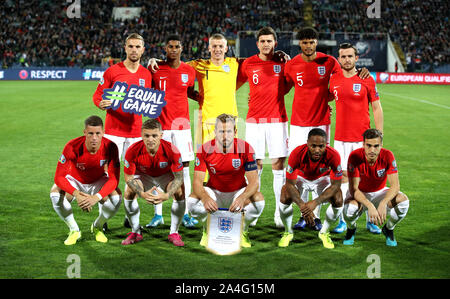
[{"x": 23, "y": 74}]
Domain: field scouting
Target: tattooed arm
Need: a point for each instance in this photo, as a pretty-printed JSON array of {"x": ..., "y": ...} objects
[
  {"x": 173, "y": 186},
  {"x": 155, "y": 196},
  {"x": 134, "y": 184}
]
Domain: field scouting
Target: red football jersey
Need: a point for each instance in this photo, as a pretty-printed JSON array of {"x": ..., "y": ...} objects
[
  {"x": 300, "y": 164},
  {"x": 174, "y": 82},
  {"x": 310, "y": 105},
  {"x": 352, "y": 96},
  {"x": 373, "y": 178},
  {"x": 267, "y": 89},
  {"x": 138, "y": 160},
  {"x": 226, "y": 171},
  {"x": 117, "y": 122},
  {"x": 86, "y": 167}
]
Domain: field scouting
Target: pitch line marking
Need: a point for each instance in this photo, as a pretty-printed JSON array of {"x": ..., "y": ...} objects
[{"x": 415, "y": 99}]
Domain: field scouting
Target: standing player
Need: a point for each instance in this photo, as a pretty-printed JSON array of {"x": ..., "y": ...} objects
[
  {"x": 177, "y": 80},
  {"x": 313, "y": 167},
  {"x": 233, "y": 181},
  {"x": 267, "y": 121},
  {"x": 368, "y": 170},
  {"x": 216, "y": 78},
  {"x": 153, "y": 171},
  {"x": 88, "y": 171},
  {"x": 121, "y": 127},
  {"x": 310, "y": 72},
  {"x": 353, "y": 95}
]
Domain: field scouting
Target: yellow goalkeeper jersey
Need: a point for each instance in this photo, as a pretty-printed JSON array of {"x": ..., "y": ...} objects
[{"x": 217, "y": 85}]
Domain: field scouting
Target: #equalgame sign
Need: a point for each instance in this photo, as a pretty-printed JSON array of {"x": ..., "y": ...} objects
[{"x": 135, "y": 99}]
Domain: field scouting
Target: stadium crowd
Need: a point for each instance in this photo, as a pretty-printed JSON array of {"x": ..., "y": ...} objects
[{"x": 39, "y": 33}]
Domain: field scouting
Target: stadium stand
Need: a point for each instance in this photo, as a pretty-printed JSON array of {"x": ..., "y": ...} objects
[{"x": 39, "y": 33}]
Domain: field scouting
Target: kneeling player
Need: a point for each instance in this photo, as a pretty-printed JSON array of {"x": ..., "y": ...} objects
[
  {"x": 368, "y": 170},
  {"x": 312, "y": 167},
  {"x": 153, "y": 171},
  {"x": 229, "y": 161},
  {"x": 88, "y": 171}
]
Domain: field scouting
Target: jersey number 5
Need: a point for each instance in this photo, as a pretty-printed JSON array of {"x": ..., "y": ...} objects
[{"x": 299, "y": 79}]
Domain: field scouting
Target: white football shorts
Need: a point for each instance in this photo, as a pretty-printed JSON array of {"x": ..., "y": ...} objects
[
  {"x": 344, "y": 149},
  {"x": 316, "y": 187},
  {"x": 275, "y": 135},
  {"x": 374, "y": 197},
  {"x": 123, "y": 143},
  {"x": 182, "y": 139},
  {"x": 223, "y": 199},
  {"x": 92, "y": 188},
  {"x": 160, "y": 182}
]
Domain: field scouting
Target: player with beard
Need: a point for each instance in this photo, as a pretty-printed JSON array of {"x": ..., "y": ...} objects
[
  {"x": 353, "y": 96},
  {"x": 153, "y": 171},
  {"x": 123, "y": 128},
  {"x": 267, "y": 121},
  {"x": 233, "y": 180},
  {"x": 310, "y": 73}
]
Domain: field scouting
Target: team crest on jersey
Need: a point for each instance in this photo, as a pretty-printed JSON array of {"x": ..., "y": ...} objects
[
  {"x": 236, "y": 163},
  {"x": 321, "y": 70},
  {"x": 357, "y": 87},
  {"x": 381, "y": 172},
  {"x": 180, "y": 163},
  {"x": 102, "y": 162},
  {"x": 197, "y": 161},
  {"x": 277, "y": 68},
  {"x": 226, "y": 68},
  {"x": 225, "y": 224},
  {"x": 101, "y": 81},
  {"x": 62, "y": 159},
  {"x": 184, "y": 78},
  {"x": 163, "y": 164},
  {"x": 142, "y": 82},
  {"x": 127, "y": 165}
]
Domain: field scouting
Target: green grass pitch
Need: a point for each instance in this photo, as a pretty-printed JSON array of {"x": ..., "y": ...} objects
[{"x": 38, "y": 118}]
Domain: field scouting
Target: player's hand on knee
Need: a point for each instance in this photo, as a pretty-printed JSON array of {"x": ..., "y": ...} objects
[
  {"x": 374, "y": 217},
  {"x": 382, "y": 211}
]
